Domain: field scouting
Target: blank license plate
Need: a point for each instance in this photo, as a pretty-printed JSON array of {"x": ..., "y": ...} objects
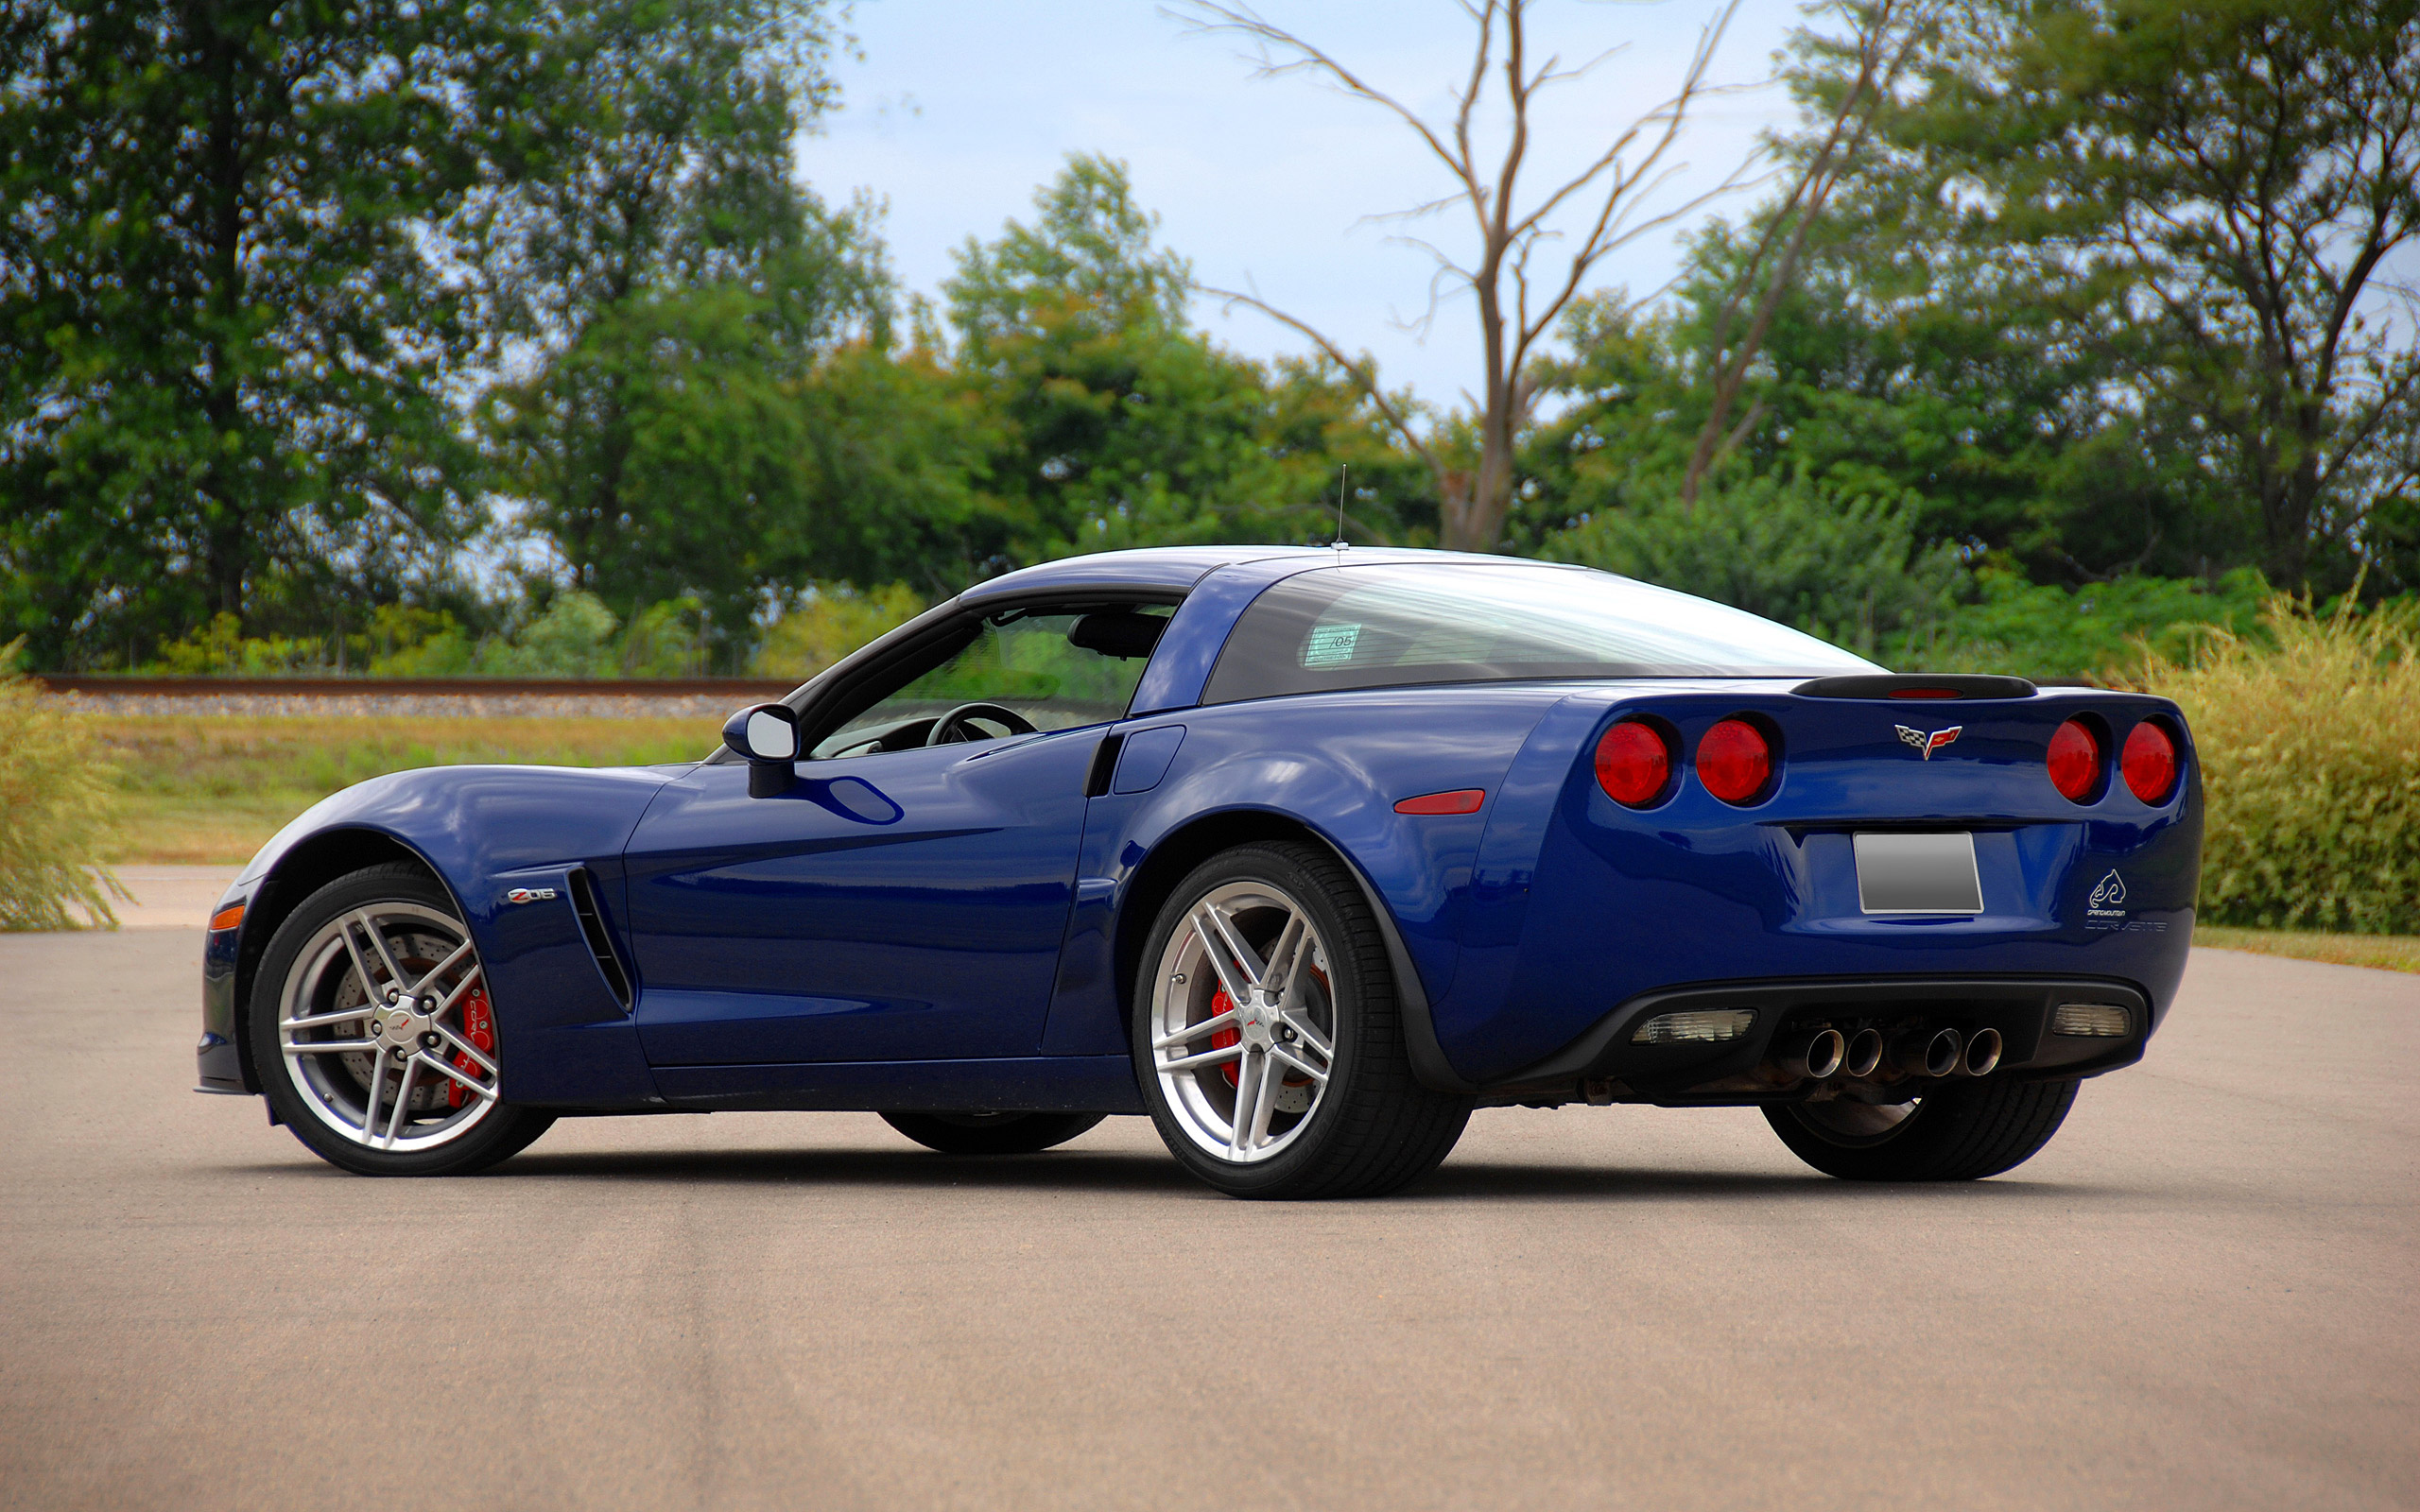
[{"x": 1918, "y": 874}]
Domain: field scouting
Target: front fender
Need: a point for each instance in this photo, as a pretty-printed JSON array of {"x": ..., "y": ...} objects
[{"x": 485, "y": 830}]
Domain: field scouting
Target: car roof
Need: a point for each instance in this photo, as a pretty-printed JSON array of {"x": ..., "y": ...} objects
[{"x": 1180, "y": 567}]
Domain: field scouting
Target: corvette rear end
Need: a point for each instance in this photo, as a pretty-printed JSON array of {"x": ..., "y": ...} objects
[{"x": 1851, "y": 891}]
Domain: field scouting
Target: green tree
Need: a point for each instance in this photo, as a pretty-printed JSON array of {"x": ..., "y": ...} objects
[
  {"x": 682, "y": 292},
  {"x": 2226, "y": 181},
  {"x": 1118, "y": 422},
  {"x": 226, "y": 338}
]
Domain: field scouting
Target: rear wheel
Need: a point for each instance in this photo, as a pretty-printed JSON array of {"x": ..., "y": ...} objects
[
  {"x": 1268, "y": 1036},
  {"x": 374, "y": 1034},
  {"x": 992, "y": 1133},
  {"x": 1963, "y": 1131}
]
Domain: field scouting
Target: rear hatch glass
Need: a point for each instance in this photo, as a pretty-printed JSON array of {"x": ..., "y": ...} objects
[{"x": 1393, "y": 624}]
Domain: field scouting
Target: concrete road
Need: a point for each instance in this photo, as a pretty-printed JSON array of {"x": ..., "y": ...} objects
[{"x": 2203, "y": 1295}]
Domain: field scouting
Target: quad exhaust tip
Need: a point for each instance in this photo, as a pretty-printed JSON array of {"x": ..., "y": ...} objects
[
  {"x": 1819, "y": 1054},
  {"x": 1815, "y": 1053},
  {"x": 1864, "y": 1055},
  {"x": 1928, "y": 1052},
  {"x": 1981, "y": 1055}
]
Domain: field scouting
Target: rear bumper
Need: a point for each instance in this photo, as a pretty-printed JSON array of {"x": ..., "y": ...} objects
[{"x": 1606, "y": 1064}]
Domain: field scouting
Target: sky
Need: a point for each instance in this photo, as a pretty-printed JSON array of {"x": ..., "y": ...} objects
[{"x": 955, "y": 113}]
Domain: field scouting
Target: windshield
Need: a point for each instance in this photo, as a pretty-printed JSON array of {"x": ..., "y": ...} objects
[{"x": 1393, "y": 623}]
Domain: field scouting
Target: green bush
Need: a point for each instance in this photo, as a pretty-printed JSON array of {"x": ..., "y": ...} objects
[
  {"x": 2311, "y": 762},
  {"x": 830, "y": 621},
  {"x": 1836, "y": 563},
  {"x": 2046, "y": 631},
  {"x": 55, "y": 812}
]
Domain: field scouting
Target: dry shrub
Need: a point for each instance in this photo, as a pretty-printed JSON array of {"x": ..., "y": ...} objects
[
  {"x": 2311, "y": 764},
  {"x": 55, "y": 814}
]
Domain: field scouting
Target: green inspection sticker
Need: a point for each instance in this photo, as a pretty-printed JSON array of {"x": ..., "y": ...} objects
[{"x": 1331, "y": 645}]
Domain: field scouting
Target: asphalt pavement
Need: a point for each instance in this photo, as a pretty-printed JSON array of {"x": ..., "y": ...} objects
[{"x": 2204, "y": 1294}]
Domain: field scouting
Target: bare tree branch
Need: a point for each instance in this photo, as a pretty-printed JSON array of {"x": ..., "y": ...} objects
[{"x": 1505, "y": 79}]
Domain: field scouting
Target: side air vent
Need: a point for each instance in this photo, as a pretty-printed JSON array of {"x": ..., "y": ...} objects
[
  {"x": 583, "y": 903},
  {"x": 1915, "y": 685}
]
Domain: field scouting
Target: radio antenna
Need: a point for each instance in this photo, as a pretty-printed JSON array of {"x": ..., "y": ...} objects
[{"x": 1342, "y": 468}]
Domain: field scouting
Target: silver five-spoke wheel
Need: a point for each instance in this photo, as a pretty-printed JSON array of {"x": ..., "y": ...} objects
[
  {"x": 375, "y": 1034},
  {"x": 1269, "y": 1038},
  {"x": 1242, "y": 1021},
  {"x": 385, "y": 1030}
]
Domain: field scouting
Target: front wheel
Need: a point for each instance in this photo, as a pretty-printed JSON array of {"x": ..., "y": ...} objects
[
  {"x": 374, "y": 1034},
  {"x": 992, "y": 1133},
  {"x": 1960, "y": 1132},
  {"x": 1269, "y": 1039}
]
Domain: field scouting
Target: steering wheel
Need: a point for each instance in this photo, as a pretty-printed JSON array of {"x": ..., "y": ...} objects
[{"x": 949, "y": 726}]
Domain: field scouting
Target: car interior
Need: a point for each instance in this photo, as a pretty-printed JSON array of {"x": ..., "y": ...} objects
[{"x": 1014, "y": 672}]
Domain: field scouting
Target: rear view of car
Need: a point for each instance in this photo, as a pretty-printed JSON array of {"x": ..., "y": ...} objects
[{"x": 1904, "y": 915}]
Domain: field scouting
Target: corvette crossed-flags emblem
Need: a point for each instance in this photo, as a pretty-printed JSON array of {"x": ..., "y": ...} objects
[{"x": 1928, "y": 743}]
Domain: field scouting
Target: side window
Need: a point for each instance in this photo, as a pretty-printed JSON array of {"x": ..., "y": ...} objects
[{"x": 1054, "y": 668}]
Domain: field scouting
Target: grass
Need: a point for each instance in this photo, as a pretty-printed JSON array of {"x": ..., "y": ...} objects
[
  {"x": 210, "y": 789},
  {"x": 2387, "y": 952}
]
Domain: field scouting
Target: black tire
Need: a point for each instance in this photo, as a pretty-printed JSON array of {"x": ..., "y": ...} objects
[
  {"x": 1963, "y": 1131},
  {"x": 992, "y": 1133},
  {"x": 311, "y": 1104},
  {"x": 1370, "y": 1127}
]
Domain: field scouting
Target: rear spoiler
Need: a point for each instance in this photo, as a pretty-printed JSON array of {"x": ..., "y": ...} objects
[{"x": 1915, "y": 685}]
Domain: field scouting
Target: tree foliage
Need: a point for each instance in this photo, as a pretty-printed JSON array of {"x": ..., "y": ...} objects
[
  {"x": 224, "y": 340},
  {"x": 2213, "y": 189}
]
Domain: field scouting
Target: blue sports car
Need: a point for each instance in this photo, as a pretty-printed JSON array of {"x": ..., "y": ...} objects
[{"x": 1305, "y": 852}]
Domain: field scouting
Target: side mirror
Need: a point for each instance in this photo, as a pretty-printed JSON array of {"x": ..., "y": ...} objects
[{"x": 766, "y": 735}]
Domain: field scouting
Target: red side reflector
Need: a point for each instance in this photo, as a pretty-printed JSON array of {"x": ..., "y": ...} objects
[
  {"x": 1926, "y": 693},
  {"x": 1460, "y": 800},
  {"x": 227, "y": 918},
  {"x": 2149, "y": 762}
]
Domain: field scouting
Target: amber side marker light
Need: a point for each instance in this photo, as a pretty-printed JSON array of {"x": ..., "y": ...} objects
[
  {"x": 227, "y": 917},
  {"x": 2075, "y": 760},
  {"x": 1460, "y": 800},
  {"x": 2149, "y": 763}
]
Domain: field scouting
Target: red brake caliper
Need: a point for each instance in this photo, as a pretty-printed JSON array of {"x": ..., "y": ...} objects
[
  {"x": 479, "y": 1026},
  {"x": 1221, "y": 1039}
]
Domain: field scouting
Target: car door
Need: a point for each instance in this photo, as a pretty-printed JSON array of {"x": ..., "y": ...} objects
[{"x": 900, "y": 901}]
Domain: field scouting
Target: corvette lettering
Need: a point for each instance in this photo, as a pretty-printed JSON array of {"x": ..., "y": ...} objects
[
  {"x": 1928, "y": 743},
  {"x": 529, "y": 895}
]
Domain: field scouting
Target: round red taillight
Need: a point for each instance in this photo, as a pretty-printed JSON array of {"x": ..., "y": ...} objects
[
  {"x": 1735, "y": 761},
  {"x": 2149, "y": 762},
  {"x": 2075, "y": 760},
  {"x": 1633, "y": 764}
]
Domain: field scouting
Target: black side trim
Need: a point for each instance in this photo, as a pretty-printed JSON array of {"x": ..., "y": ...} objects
[
  {"x": 1900, "y": 687},
  {"x": 583, "y": 903},
  {"x": 1104, "y": 766}
]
